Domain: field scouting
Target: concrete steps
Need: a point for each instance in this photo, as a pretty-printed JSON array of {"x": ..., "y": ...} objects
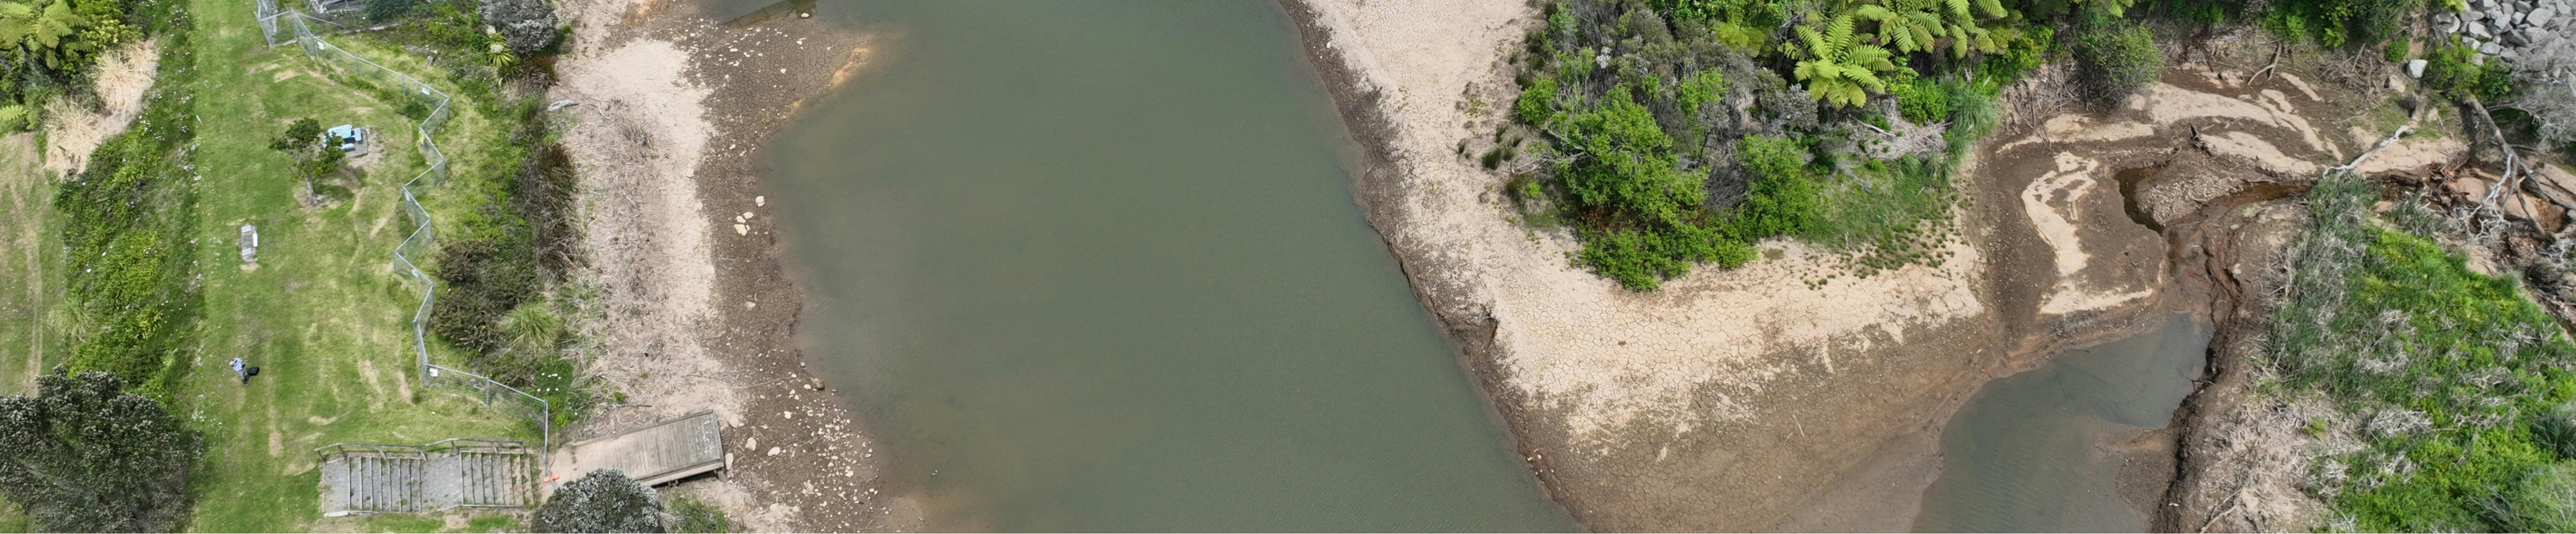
[{"x": 363, "y": 479}]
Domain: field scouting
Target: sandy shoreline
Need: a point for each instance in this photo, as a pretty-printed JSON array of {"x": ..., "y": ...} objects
[{"x": 669, "y": 106}]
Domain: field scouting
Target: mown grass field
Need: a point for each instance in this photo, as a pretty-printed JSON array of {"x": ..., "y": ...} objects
[
  {"x": 320, "y": 313},
  {"x": 30, "y": 282}
]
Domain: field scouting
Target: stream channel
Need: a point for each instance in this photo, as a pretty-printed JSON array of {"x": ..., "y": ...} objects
[
  {"x": 2038, "y": 451},
  {"x": 1097, "y": 267}
]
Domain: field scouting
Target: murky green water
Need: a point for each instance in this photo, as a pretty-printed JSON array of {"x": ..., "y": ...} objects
[
  {"x": 1096, "y": 266},
  {"x": 2029, "y": 453}
]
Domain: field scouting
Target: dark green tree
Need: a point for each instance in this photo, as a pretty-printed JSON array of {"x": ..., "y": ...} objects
[
  {"x": 302, "y": 142},
  {"x": 82, "y": 455},
  {"x": 603, "y": 501}
]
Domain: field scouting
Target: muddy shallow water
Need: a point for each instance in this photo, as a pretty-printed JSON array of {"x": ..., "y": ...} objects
[
  {"x": 2037, "y": 451},
  {"x": 1097, "y": 267}
]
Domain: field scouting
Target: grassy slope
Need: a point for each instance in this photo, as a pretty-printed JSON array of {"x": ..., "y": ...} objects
[
  {"x": 2394, "y": 329},
  {"x": 322, "y": 315}
]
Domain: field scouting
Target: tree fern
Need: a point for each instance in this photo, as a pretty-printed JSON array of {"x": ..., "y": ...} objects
[{"x": 1839, "y": 69}]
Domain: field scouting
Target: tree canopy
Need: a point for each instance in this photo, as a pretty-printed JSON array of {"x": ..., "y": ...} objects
[
  {"x": 83, "y": 455},
  {"x": 602, "y": 501}
]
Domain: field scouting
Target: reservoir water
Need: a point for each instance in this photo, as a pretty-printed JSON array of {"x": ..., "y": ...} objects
[
  {"x": 1097, "y": 266},
  {"x": 2032, "y": 452}
]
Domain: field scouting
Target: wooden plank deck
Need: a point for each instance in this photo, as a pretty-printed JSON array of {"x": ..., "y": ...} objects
[{"x": 661, "y": 452}]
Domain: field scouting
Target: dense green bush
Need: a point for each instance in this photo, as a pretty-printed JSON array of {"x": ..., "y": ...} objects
[
  {"x": 1537, "y": 104},
  {"x": 1676, "y": 136},
  {"x": 2025, "y": 52},
  {"x": 1783, "y": 200},
  {"x": 82, "y": 455},
  {"x": 1921, "y": 100},
  {"x": 2453, "y": 70},
  {"x": 127, "y": 220},
  {"x": 2336, "y": 23},
  {"x": 2112, "y": 62}
]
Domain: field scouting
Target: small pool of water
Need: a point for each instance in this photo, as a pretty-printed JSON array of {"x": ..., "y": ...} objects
[{"x": 2033, "y": 452}]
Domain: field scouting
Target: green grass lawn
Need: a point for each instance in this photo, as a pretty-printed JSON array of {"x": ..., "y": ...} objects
[
  {"x": 30, "y": 284},
  {"x": 321, "y": 314},
  {"x": 30, "y": 272}
]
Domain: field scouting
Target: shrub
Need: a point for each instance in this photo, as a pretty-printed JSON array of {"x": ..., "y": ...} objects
[
  {"x": 2557, "y": 430},
  {"x": 127, "y": 224},
  {"x": 2024, "y": 53},
  {"x": 2448, "y": 69},
  {"x": 2113, "y": 62},
  {"x": 695, "y": 516},
  {"x": 1537, "y": 104},
  {"x": 1922, "y": 100},
  {"x": 603, "y": 501},
  {"x": 82, "y": 455},
  {"x": 526, "y": 26},
  {"x": 1626, "y": 170},
  {"x": 1973, "y": 112},
  {"x": 1783, "y": 200},
  {"x": 1700, "y": 89},
  {"x": 2545, "y": 499}
]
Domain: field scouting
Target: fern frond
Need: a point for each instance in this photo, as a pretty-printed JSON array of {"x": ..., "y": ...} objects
[
  {"x": 1841, "y": 31},
  {"x": 1994, "y": 9}
]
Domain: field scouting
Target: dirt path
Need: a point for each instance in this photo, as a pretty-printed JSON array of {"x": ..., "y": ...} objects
[
  {"x": 695, "y": 312},
  {"x": 1745, "y": 399}
]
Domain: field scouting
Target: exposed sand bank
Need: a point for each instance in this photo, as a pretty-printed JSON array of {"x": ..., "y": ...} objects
[
  {"x": 1745, "y": 399},
  {"x": 668, "y": 104}
]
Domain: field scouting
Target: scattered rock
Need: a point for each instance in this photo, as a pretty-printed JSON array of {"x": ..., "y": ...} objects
[
  {"x": 741, "y": 229},
  {"x": 813, "y": 383},
  {"x": 760, "y": 200},
  {"x": 2491, "y": 48},
  {"x": 2415, "y": 68},
  {"x": 773, "y": 451},
  {"x": 2479, "y": 30},
  {"x": 2539, "y": 16},
  {"x": 751, "y": 443}
]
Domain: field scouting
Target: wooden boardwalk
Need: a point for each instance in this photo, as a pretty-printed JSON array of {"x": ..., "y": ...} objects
[{"x": 661, "y": 452}]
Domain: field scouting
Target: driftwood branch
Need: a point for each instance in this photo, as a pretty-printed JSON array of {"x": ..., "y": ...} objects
[{"x": 2374, "y": 149}]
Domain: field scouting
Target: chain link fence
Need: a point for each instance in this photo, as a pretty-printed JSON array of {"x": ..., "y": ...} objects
[{"x": 298, "y": 28}]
